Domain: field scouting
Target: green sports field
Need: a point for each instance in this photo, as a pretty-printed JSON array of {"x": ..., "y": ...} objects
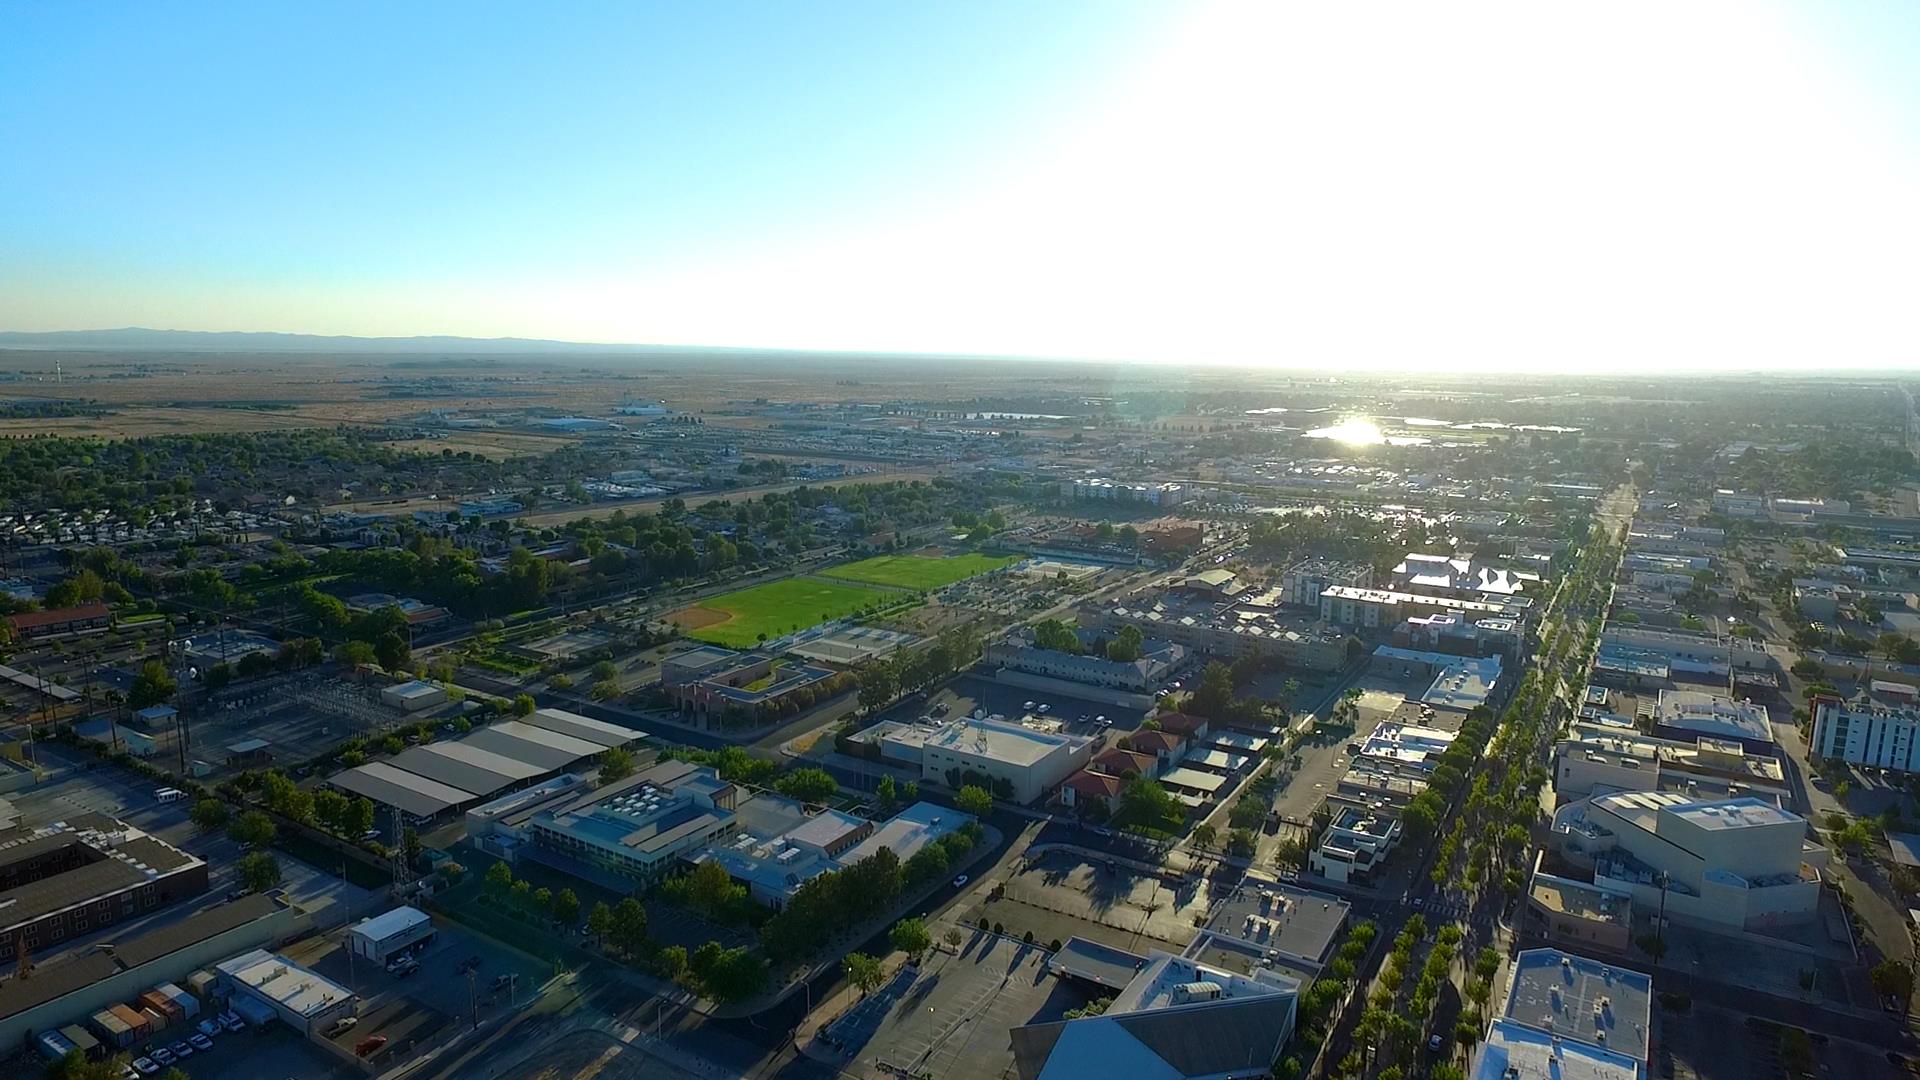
[
  {"x": 918, "y": 572},
  {"x": 738, "y": 619}
]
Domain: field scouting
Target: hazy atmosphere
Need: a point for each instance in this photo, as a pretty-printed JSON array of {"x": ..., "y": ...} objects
[
  {"x": 1512, "y": 186},
  {"x": 861, "y": 540}
]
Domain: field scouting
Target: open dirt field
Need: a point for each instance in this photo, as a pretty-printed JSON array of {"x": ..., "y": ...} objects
[{"x": 694, "y": 618}]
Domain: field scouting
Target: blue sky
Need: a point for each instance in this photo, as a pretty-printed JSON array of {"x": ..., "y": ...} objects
[{"x": 1714, "y": 183}]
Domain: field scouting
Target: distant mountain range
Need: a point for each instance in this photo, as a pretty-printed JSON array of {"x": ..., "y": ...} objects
[{"x": 137, "y": 338}]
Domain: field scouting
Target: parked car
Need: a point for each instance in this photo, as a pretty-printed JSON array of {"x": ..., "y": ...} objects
[
  {"x": 369, "y": 1045},
  {"x": 181, "y": 1050},
  {"x": 960, "y": 881},
  {"x": 162, "y": 1056},
  {"x": 342, "y": 1026},
  {"x": 145, "y": 1066},
  {"x": 200, "y": 1041},
  {"x": 209, "y": 1027},
  {"x": 231, "y": 1021}
]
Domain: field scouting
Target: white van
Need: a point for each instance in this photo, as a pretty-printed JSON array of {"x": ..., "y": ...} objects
[{"x": 168, "y": 794}]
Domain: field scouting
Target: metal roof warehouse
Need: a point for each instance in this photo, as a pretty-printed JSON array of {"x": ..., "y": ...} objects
[{"x": 431, "y": 780}]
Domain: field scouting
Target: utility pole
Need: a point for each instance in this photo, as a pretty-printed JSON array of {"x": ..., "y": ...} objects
[{"x": 473, "y": 999}]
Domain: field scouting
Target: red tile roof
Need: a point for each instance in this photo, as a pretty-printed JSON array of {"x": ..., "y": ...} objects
[
  {"x": 1118, "y": 762},
  {"x": 1181, "y": 723},
  {"x": 31, "y": 619},
  {"x": 1153, "y": 742},
  {"x": 1095, "y": 784}
]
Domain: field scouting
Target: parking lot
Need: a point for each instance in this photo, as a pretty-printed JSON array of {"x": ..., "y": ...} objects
[
  {"x": 274, "y": 1050},
  {"x": 433, "y": 1003},
  {"x": 970, "y": 692},
  {"x": 952, "y": 1019},
  {"x": 1064, "y": 895}
]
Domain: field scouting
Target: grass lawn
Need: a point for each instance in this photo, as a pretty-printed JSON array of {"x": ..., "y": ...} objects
[
  {"x": 780, "y": 607},
  {"x": 918, "y": 572}
]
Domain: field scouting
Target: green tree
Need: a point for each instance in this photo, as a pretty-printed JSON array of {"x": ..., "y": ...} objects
[
  {"x": 864, "y": 972},
  {"x": 710, "y": 889},
  {"x": 670, "y": 962},
  {"x": 253, "y": 829},
  {"x": 600, "y": 922},
  {"x": 910, "y": 936},
  {"x": 629, "y": 926},
  {"x": 391, "y": 651},
  {"x": 566, "y": 907},
  {"x": 1894, "y": 979},
  {"x": 807, "y": 785},
  {"x": 1125, "y": 646},
  {"x": 1056, "y": 635},
  {"x": 887, "y": 794},
  {"x": 616, "y": 763},
  {"x": 359, "y": 819},
  {"x": 210, "y": 815},
  {"x": 153, "y": 685},
  {"x": 499, "y": 880},
  {"x": 523, "y": 704},
  {"x": 1214, "y": 696},
  {"x": 974, "y": 800},
  {"x": 1204, "y": 836},
  {"x": 258, "y": 871}
]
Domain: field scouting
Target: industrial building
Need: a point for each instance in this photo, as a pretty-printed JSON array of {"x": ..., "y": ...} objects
[
  {"x": 389, "y": 934},
  {"x": 1732, "y": 863},
  {"x": 67, "y": 992},
  {"x": 413, "y": 696},
  {"x": 427, "y": 782},
  {"x": 268, "y": 986},
  {"x": 1176, "y": 1018},
  {"x": 71, "y": 877},
  {"x": 1029, "y": 760}
]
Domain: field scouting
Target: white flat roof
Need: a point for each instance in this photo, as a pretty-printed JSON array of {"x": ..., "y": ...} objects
[
  {"x": 387, "y": 924},
  {"x": 298, "y": 990}
]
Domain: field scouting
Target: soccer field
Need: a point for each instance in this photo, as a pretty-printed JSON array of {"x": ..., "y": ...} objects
[
  {"x": 918, "y": 572},
  {"x": 738, "y": 619}
]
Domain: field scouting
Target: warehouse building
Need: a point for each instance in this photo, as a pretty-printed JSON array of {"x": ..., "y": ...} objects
[
  {"x": 66, "y": 993},
  {"x": 268, "y": 986},
  {"x": 413, "y": 696},
  {"x": 389, "y": 934},
  {"x": 426, "y": 783}
]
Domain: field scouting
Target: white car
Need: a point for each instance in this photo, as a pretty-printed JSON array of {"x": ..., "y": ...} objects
[
  {"x": 1026, "y": 705},
  {"x": 1044, "y": 707},
  {"x": 960, "y": 881}
]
